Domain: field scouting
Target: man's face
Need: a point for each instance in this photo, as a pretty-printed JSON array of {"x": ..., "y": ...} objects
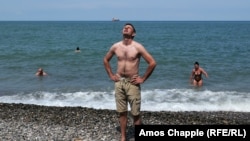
[{"x": 128, "y": 30}]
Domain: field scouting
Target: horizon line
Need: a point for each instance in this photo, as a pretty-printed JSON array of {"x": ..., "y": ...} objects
[{"x": 126, "y": 20}]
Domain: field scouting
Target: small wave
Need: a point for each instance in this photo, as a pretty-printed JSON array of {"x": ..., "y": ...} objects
[{"x": 152, "y": 100}]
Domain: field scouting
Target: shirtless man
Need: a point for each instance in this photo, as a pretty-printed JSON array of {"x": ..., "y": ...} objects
[
  {"x": 127, "y": 79},
  {"x": 196, "y": 75}
]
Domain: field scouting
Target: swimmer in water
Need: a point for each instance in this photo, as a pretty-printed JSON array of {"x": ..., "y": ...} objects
[
  {"x": 196, "y": 75},
  {"x": 40, "y": 72}
]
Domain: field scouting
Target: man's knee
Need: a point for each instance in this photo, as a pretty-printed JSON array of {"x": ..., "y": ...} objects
[
  {"x": 137, "y": 120},
  {"x": 123, "y": 113},
  {"x": 137, "y": 117}
]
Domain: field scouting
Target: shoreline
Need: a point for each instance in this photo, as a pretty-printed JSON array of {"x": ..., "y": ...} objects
[{"x": 35, "y": 122}]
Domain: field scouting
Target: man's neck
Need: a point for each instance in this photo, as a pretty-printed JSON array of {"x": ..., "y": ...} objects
[{"x": 127, "y": 39}]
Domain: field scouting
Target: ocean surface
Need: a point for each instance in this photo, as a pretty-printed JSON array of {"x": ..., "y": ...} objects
[{"x": 79, "y": 79}]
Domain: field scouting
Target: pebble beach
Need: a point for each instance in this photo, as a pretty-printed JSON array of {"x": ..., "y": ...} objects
[{"x": 24, "y": 122}]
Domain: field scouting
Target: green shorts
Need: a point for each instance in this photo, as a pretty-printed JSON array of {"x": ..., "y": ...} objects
[{"x": 125, "y": 93}]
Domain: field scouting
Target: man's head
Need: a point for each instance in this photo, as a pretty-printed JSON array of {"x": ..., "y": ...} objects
[
  {"x": 129, "y": 30},
  {"x": 40, "y": 69},
  {"x": 131, "y": 26}
]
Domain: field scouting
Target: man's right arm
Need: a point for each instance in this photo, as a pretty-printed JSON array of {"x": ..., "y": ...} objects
[{"x": 107, "y": 65}]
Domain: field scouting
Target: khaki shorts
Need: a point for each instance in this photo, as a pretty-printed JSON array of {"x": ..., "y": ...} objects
[{"x": 125, "y": 92}]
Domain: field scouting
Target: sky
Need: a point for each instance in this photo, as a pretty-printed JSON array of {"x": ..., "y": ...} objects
[{"x": 134, "y": 10}]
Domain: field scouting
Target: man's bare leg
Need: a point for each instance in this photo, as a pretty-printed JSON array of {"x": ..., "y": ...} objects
[
  {"x": 137, "y": 120},
  {"x": 123, "y": 124}
]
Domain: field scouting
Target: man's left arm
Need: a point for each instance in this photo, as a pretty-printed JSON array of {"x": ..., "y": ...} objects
[{"x": 151, "y": 64}]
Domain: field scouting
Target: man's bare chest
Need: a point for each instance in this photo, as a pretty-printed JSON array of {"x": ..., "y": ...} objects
[{"x": 127, "y": 53}]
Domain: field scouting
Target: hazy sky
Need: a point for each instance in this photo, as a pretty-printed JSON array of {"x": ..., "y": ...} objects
[{"x": 137, "y": 10}]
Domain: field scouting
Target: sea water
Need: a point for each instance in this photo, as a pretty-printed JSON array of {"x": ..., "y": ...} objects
[{"x": 79, "y": 79}]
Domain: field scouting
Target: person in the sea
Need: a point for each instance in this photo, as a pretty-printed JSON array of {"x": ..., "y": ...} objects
[
  {"x": 40, "y": 72},
  {"x": 77, "y": 49},
  {"x": 196, "y": 75},
  {"x": 126, "y": 79}
]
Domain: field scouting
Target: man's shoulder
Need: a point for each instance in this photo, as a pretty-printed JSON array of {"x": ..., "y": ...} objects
[
  {"x": 116, "y": 44},
  {"x": 137, "y": 44}
]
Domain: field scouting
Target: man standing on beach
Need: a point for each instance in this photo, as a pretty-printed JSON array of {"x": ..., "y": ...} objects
[{"x": 127, "y": 79}]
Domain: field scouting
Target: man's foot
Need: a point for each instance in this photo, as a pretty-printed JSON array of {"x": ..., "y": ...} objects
[{"x": 123, "y": 139}]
